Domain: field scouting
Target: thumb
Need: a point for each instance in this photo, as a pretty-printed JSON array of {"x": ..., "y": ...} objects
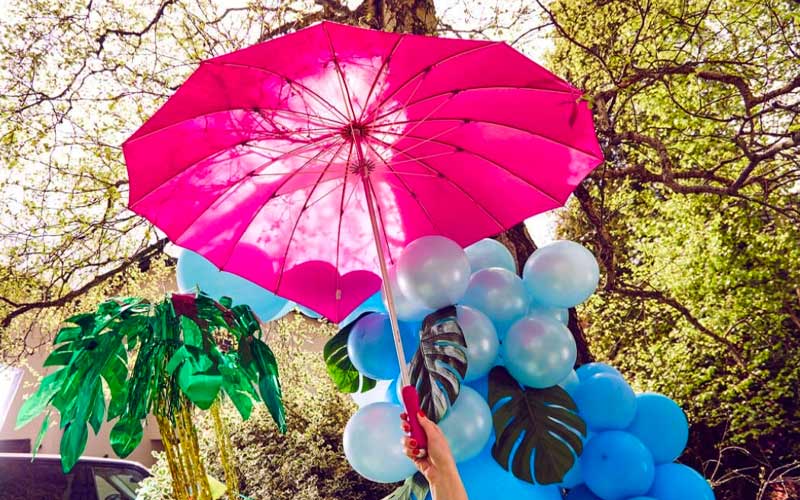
[{"x": 427, "y": 424}]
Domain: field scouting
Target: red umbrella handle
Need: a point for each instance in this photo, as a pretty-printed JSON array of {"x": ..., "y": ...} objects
[{"x": 411, "y": 402}]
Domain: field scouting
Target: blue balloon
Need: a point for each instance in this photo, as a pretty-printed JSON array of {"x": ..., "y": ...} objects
[
  {"x": 570, "y": 383},
  {"x": 616, "y": 465},
  {"x": 467, "y": 424},
  {"x": 373, "y": 444},
  {"x": 539, "y": 351},
  {"x": 195, "y": 271},
  {"x": 378, "y": 394},
  {"x": 484, "y": 479},
  {"x": 308, "y": 312},
  {"x": 679, "y": 482},
  {"x": 407, "y": 309},
  {"x": 482, "y": 342},
  {"x": 558, "y": 313},
  {"x": 661, "y": 425},
  {"x": 605, "y": 402},
  {"x": 561, "y": 274},
  {"x": 370, "y": 346},
  {"x": 481, "y": 386},
  {"x": 488, "y": 253},
  {"x": 372, "y": 304},
  {"x": 589, "y": 369},
  {"x": 581, "y": 492},
  {"x": 499, "y": 294},
  {"x": 642, "y": 498},
  {"x": 434, "y": 271}
]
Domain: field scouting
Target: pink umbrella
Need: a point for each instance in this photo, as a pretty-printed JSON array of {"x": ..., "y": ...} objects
[{"x": 307, "y": 162}]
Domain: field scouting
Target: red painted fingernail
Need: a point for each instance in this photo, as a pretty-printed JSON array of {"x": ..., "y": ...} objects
[
  {"x": 406, "y": 427},
  {"x": 421, "y": 413},
  {"x": 412, "y": 443},
  {"x": 404, "y": 416}
]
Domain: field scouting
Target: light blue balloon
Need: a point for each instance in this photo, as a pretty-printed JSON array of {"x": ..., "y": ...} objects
[
  {"x": 481, "y": 386},
  {"x": 488, "y": 253},
  {"x": 561, "y": 274},
  {"x": 642, "y": 498},
  {"x": 589, "y": 369},
  {"x": 484, "y": 479},
  {"x": 558, "y": 313},
  {"x": 407, "y": 309},
  {"x": 616, "y": 465},
  {"x": 373, "y": 444},
  {"x": 308, "y": 312},
  {"x": 570, "y": 383},
  {"x": 195, "y": 271},
  {"x": 372, "y": 304},
  {"x": 378, "y": 394},
  {"x": 370, "y": 346},
  {"x": 539, "y": 351},
  {"x": 499, "y": 294},
  {"x": 605, "y": 402},
  {"x": 581, "y": 492},
  {"x": 467, "y": 424},
  {"x": 482, "y": 342},
  {"x": 434, "y": 271},
  {"x": 661, "y": 425},
  {"x": 679, "y": 482}
]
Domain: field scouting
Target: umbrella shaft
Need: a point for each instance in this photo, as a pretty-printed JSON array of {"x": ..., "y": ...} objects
[{"x": 387, "y": 288}]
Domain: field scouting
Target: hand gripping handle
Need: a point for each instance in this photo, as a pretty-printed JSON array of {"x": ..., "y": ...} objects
[{"x": 411, "y": 402}]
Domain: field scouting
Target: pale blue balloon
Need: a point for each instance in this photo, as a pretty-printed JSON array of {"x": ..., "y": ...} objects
[
  {"x": 196, "y": 272},
  {"x": 539, "y": 351},
  {"x": 482, "y": 342},
  {"x": 407, "y": 309},
  {"x": 679, "y": 482},
  {"x": 605, "y": 401},
  {"x": 484, "y": 479},
  {"x": 377, "y": 394},
  {"x": 467, "y": 424},
  {"x": 573, "y": 477},
  {"x": 589, "y": 369},
  {"x": 434, "y": 271},
  {"x": 661, "y": 425},
  {"x": 570, "y": 383},
  {"x": 308, "y": 312},
  {"x": 642, "y": 498},
  {"x": 499, "y": 294},
  {"x": 616, "y": 465},
  {"x": 488, "y": 253},
  {"x": 372, "y": 304},
  {"x": 561, "y": 274},
  {"x": 558, "y": 313},
  {"x": 373, "y": 443},
  {"x": 370, "y": 346}
]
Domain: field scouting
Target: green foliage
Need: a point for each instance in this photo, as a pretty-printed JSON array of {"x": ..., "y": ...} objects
[
  {"x": 546, "y": 422},
  {"x": 341, "y": 370},
  {"x": 305, "y": 463},
  {"x": 175, "y": 348}
]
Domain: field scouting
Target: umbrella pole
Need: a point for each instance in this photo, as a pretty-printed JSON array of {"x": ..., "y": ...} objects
[{"x": 409, "y": 391}]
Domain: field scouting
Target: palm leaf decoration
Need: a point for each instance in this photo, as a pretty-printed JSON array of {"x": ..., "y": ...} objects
[
  {"x": 540, "y": 420},
  {"x": 187, "y": 349},
  {"x": 440, "y": 362},
  {"x": 415, "y": 487},
  {"x": 337, "y": 362}
]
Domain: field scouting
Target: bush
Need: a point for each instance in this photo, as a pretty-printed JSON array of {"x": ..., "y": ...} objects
[{"x": 305, "y": 463}]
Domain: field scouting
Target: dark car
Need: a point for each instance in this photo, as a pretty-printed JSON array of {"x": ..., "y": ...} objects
[{"x": 91, "y": 479}]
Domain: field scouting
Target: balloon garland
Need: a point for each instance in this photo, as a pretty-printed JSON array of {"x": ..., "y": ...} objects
[
  {"x": 520, "y": 421},
  {"x": 188, "y": 351}
]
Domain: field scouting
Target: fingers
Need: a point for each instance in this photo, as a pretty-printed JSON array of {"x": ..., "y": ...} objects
[
  {"x": 404, "y": 424},
  {"x": 411, "y": 449},
  {"x": 427, "y": 425}
]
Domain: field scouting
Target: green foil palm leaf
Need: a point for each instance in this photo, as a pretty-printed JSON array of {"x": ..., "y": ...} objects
[{"x": 337, "y": 362}]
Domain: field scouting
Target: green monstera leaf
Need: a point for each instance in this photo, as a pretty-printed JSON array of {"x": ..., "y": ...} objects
[
  {"x": 341, "y": 370},
  {"x": 542, "y": 421},
  {"x": 415, "y": 487},
  {"x": 440, "y": 362}
]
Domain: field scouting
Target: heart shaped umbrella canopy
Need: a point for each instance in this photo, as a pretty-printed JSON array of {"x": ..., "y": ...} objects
[{"x": 268, "y": 160}]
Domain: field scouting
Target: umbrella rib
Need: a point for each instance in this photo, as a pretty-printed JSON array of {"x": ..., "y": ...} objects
[
  {"x": 405, "y": 186},
  {"x": 455, "y": 92},
  {"x": 339, "y": 228},
  {"x": 384, "y": 65},
  {"x": 300, "y": 216},
  {"x": 290, "y": 82},
  {"x": 380, "y": 217},
  {"x": 342, "y": 82},
  {"x": 453, "y": 183},
  {"x": 430, "y": 67},
  {"x": 235, "y": 185},
  {"x": 488, "y": 160},
  {"x": 488, "y": 122},
  {"x": 258, "y": 210}
]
